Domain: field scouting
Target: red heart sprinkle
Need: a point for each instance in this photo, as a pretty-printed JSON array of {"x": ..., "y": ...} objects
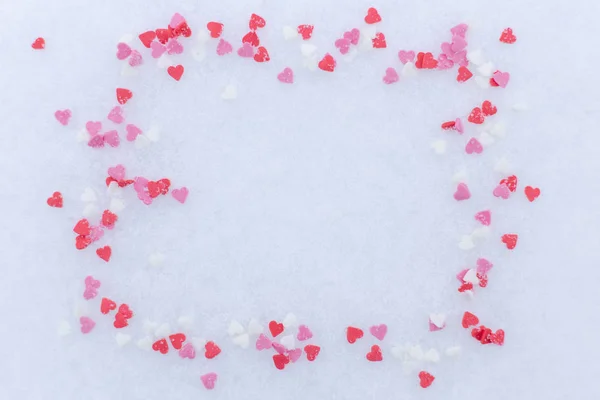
[
  {"x": 276, "y": 328},
  {"x": 163, "y": 185},
  {"x": 327, "y": 63},
  {"x": 312, "y": 351},
  {"x": 372, "y": 16},
  {"x": 493, "y": 83},
  {"x": 120, "y": 321},
  {"x": 125, "y": 311},
  {"x": 353, "y": 334},
  {"x": 177, "y": 340},
  {"x": 161, "y": 345},
  {"x": 488, "y": 108},
  {"x": 419, "y": 61},
  {"x": 280, "y": 360},
  {"x": 465, "y": 286},
  {"x": 104, "y": 253},
  {"x": 147, "y": 37},
  {"x": 153, "y": 189},
  {"x": 463, "y": 74},
  {"x": 262, "y": 55},
  {"x": 425, "y": 61},
  {"x": 532, "y": 193},
  {"x": 510, "y": 240},
  {"x": 81, "y": 242},
  {"x": 123, "y": 95},
  {"x": 181, "y": 30},
  {"x": 251, "y": 38},
  {"x": 175, "y": 71},
  {"x": 510, "y": 182},
  {"x": 498, "y": 337},
  {"x": 379, "y": 41},
  {"x": 107, "y": 305},
  {"x": 375, "y": 354},
  {"x": 163, "y": 35},
  {"x": 306, "y": 31},
  {"x": 256, "y": 22},
  {"x": 507, "y": 36},
  {"x": 82, "y": 227},
  {"x": 469, "y": 319},
  {"x": 425, "y": 379},
  {"x": 56, "y": 200},
  {"x": 39, "y": 43},
  {"x": 482, "y": 334},
  {"x": 212, "y": 350},
  {"x": 215, "y": 29},
  {"x": 483, "y": 280},
  {"x": 109, "y": 218},
  {"x": 476, "y": 116},
  {"x": 448, "y": 125}
]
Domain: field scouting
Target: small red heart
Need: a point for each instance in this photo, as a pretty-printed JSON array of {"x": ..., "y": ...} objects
[
  {"x": 215, "y": 29},
  {"x": 448, "y": 125},
  {"x": 56, "y": 200},
  {"x": 109, "y": 218},
  {"x": 163, "y": 185},
  {"x": 175, "y": 72},
  {"x": 372, "y": 16},
  {"x": 104, "y": 253},
  {"x": 162, "y": 35},
  {"x": 327, "y": 63},
  {"x": 353, "y": 334},
  {"x": 476, "y": 116},
  {"x": 280, "y": 360},
  {"x": 182, "y": 29},
  {"x": 493, "y": 83},
  {"x": 425, "y": 379},
  {"x": 463, "y": 74},
  {"x": 147, "y": 37},
  {"x": 532, "y": 193},
  {"x": 419, "y": 61},
  {"x": 312, "y": 351},
  {"x": 123, "y": 95},
  {"x": 510, "y": 240},
  {"x": 306, "y": 31},
  {"x": 469, "y": 319},
  {"x": 425, "y": 61},
  {"x": 256, "y": 22},
  {"x": 161, "y": 345},
  {"x": 39, "y": 43},
  {"x": 482, "y": 334},
  {"x": 483, "y": 280},
  {"x": 510, "y": 182},
  {"x": 488, "y": 108},
  {"x": 82, "y": 241},
  {"x": 262, "y": 55},
  {"x": 276, "y": 328},
  {"x": 82, "y": 227},
  {"x": 251, "y": 38},
  {"x": 177, "y": 340},
  {"x": 507, "y": 36},
  {"x": 107, "y": 305},
  {"x": 498, "y": 337},
  {"x": 212, "y": 350},
  {"x": 375, "y": 354},
  {"x": 379, "y": 41},
  {"x": 153, "y": 189},
  {"x": 120, "y": 321},
  {"x": 125, "y": 311},
  {"x": 465, "y": 286}
]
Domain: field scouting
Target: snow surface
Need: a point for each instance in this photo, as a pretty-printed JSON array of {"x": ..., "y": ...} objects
[{"x": 322, "y": 198}]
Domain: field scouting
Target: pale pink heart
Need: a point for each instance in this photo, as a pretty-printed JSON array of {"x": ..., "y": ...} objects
[
  {"x": 304, "y": 333},
  {"x": 136, "y": 58},
  {"x": 485, "y": 217},
  {"x": 286, "y": 76},
  {"x": 93, "y": 127},
  {"x": 132, "y": 132},
  {"x": 63, "y": 116},
  {"x": 91, "y": 282},
  {"x": 112, "y": 138},
  {"x": 406, "y": 56},
  {"x": 501, "y": 78},
  {"x": 157, "y": 49},
  {"x": 116, "y": 115},
  {"x": 447, "y": 49},
  {"x": 444, "y": 62},
  {"x": 473, "y": 146},
  {"x": 460, "y": 58},
  {"x": 96, "y": 142},
  {"x": 458, "y": 44},
  {"x": 458, "y": 126},
  {"x": 353, "y": 36},
  {"x": 123, "y": 51},
  {"x": 96, "y": 233},
  {"x": 246, "y": 50},
  {"x": 461, "y": 275},
  {"x": 433, "y": 327},
  {"x": 117, "y": 172},
  {"x": 343, "y": 45},
  {"x": 483, "y": 266},
  {"x": 209, "y": 380},
  {"x": 379, "y": 331},
  {"x": 462, "y": 192},
  {"x": 174, "y": 47},
  {"x": 460, "y": 30},
  {"x": 144, "y": 197},
  {"x": 279, "y": 348},
  {"x": 176, "y": 20},
  {"x": 224, "y": 47},
  {"x": 91, "y": 288},
  {"x": 187, "y": 351},
  {"x": 140, "y": 185},
  {"x": 263, "y": 342},
  {"x": 87, "y": 324},
  {"x": 180, "y": 194},
  {"x": 391, "y": 76},
  {"x": 89, "y": 293},
  {"x": 294, "y": 354},
  {"x": 502, "y": 191}
]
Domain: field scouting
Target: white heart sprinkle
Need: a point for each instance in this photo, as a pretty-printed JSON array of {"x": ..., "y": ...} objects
[
  {"x": 153, "y": 134},
  {"x": 91, "y": 211},
  {"x": 163, "y": 330},
  {"x": 288, "y": 341},
  {"x": 141, "y": 141},
  {"x": 88, "y": 195},
  {"x": 460, "y": 176},
  {"x": 126, "y": 38},
  {"x": 476, "y": 57},
  {"x": 466, "y": 242},
  {"x": 482, "y": 82},
  {"x": 503, "y": 166},
  {"x": 409, "y": 70},
  {"x": 235, "y": 328},
  {"x": 114, "y": 190},
  {"x": 149, "y": 327},
  {"x": 63, "y": 329},
  {"x": 156, "y": 259},
  {"x": 255, "y": 328},
  {"x": 164, "y": 61},
  {"x": 498, "y": 130},
  {"x": 82, "y": 136},
  {"x": 453, "y": 351},
  {"x": 185, "y": 321},
  {"x": 116, "y": 205},
  {"x": 229, "y": 93},
  {"x": 481, "y": 232},
  {"x": 122, "y": 339},
  {"x": 199, "y": 53},
  {"x": 197, "y": 342},
  {"x": 520, "y": 107},
  {"x": 416, "y": 352},
  {"x": 242, "y": 340},
  {"x": 311, "y": 63},
  {"x": 438, "y": 320},
  {"x": 290, "y": 321},
  {"x": 439, "y": 147},
  {"x": 145, "y": 343},
  {"x": 486, "y": 69},
  {"x": 289, "y": 33},
  {"x": 432, "y": 355},
  {"x": 308, "y": 49},
  {"x": 486, "y": 139},
  {"x": 80, "y": 309}
]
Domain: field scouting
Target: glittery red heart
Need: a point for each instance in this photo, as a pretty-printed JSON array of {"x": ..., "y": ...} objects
[
  {"x": 375, "y": 354},
  {"x": 510, "y": 182},
  {"x": 256, "y": 21},
  {"x": 483, "y": 280},
  {"x": 463, "y": 74},
  {"x": 306, "y": 31},
  {"x": 510, "y": 240},
  {"x": 379, "y": 41},
  {"x": 124, "y": 95},
  {"x": 147, "y": 37},
  {"x": 161, "y": 345},
  {"x": 177, "y": 340},
  {"x": 181, "y": 30},
  {"x": 425, "y": 61},
  {"x": 469, "y": 319},
  {"x": 125, "y": 311},
  {"x": 175, "y": 71},
  {"x": 104, "y": 253},
  {"x": 498, "y": 337},
  {"x": 312, "y": 351},
  {"x": 507, "y": 36},
  {"x": 372, "y": 16},
  {"x": 262, "y": 55},
  {"x": 211, "y": 350},
  {"x": 425, "y": 379},
  {"x": 488, "y": 108},
  {"x": 56, "y": 200},
  {"x": 276, "y": 328},
  {"x": 215, "y": 29},
  {"x": 465, "y": 286},
  {"x": 353, "y": 334},
  {"x": 82, "y": 241},
  {"x": 109, "y": 218},
  {"x": 280, "y": 361},
  {"x": 327, "y": 63},
  {"x": 482, "y": 334},
  {"x": 162, "y": 35},
  {"x": 251, "y": 38},
  {"x": 476, "y": 116},
  {"x": 120, "y": 321},
  {"x": 532, "y": 193},
  {"x": 107, "y": 305},
  {"x": 82, "y": 227},
  {"x": 163, "y": 185},
  {"x": 39, "y": 43}
]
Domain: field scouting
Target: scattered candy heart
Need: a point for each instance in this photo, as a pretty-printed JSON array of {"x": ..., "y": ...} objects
[
  {"x": 532, "y": 193},
  {"x": 56, "y": 200},
  {"x": 501, "y": 191},
  {"x": 256, "y": 21},
  {"x": 104, "y": 253},
  {"x": 39, "y": 44},
  {"x": 262, "y": 55},
  {"x": 280, "y": 361},
  {"x": 175, "y": 72},
  {"x": 463, "y": 74},
  {"x": 187, "y": 351},
  {"x": 425, "y": 379},
  {"x": 469, "y": 319},
  {"x": 353, "y": 334},
  {"x": 379, "y": 41},
  {"x": 180, "y": 194},
  {"x": 372, "y": 16},
  {"x": 327, "y": 63},
  {"x": 510, "y": 240},
  {"x": 91, "y": 291},
  {"x": 286, "y": 76},
  {"x": 123, "y": 95},
  {"x": 375, "y": 354},
  {"x": 507, "y": 36},
  {"x": 177, "y": 340},
  {"x": 161, "y": 346},
  {"x": 224, "y": 47},
  {"x": 501, "y": 78},
  {"x": 263, "y": 342},
  {"x": 87, "y": 324},
  {"x": 462, "y": 192},
  {"x": 209, "y": 380},
  {"x": 485, "y": 217},
  {"x": 306, "y": 31},
  {"x": 437, "y": 322},
  {"x": 473, "y": 146},
  {"x": 391, "y": 76},
  {"x": 304, "y": 333},
  {"x": 276, "y": 328},
  {"x": 63, "y": 116},
  {"x": 406, "y": 56},
  {"x": 211, "y": 350},
  {"x": 312, "y": 351},
  {"x": 379, "y": 331},
  {"x": 215, "y": 29}
]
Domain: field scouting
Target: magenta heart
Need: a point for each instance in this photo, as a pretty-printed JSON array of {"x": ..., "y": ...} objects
[
  {"x": 180, "y": 194},
  {"x": 391, "y": 76},
  {"x": 462, "y": 192},
  {"x": 343, "y": 45},
  {"x": 96, "y": 233},
  {"x": 502, "y": 191},
  {"x": 123, "y": 51},
  {"x": 187, "y": 351},
  {"x": 294, "y": 354},
  {"x": 116, "y": 115},
  {"x": 63, "y": 116},
  {"x": 406, "y": 56},
  {"x": 117, "y": 172},
  {"x": 473, "y": 146},
  {"x": 135, "y": 59},
  {"x": 174, "y": 47},
  {"x": 246, "y": 50},
  {"x": 353, "y": 36},
  {"x": 279, "y": 348},
  {"x": 286, "y": 76},
  {"x": 176, "y": 20},
  {"x": 263, "y": 342},
  {"x": 132, "y": 132},
  {"x": 485, "y": 217},
  {"x": 444, "y": 62},
  {"x": 483, "y": 266},
  {"x": 209, "y": 380},
  {"x": 112, "y": 138},
  {"x": 501, "y": 78},
  {"x": 458, "y": 44},
  {"x": 304, "y": 333},
  {"x": 460, "y": 30},
  {"x": 379, "y": 331},
  {"x": 224, "y": 47},
  {"x": 93, "y": 127},
  {"x": 458, "y": 126},
  {"x": 87, "y": 324},
  {"x": 157, "y": 49},
  {"x": 96, "y": 142}
]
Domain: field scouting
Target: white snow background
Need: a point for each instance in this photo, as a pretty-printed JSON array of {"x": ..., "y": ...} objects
[{"x": 322, "y": 198}]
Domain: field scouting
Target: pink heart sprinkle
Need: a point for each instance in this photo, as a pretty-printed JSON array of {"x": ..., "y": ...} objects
[
  {"x": 378, "y": 331},
  {"x": 483, "y": 266},
  {"x": 123, "y": 51},
  {"x": 263, "y": 342},
  {"x": 391, "y": 76},
  {"x": 140, "y": 184},
  {"x": 406, "y": 56},
  {"x": 180, "y": 194},
  {"x": 458, "y": 126},
  {"x": 96, "y": 142},
  {"x": 132, "y": 132},
  {"x": 112, "y": 138},
  {"x": 187, "y": 351},
  {"x": 460, "y": 30},
  {"x": 458, "y": 44},
  {"x": 87, "y": 324},
  {"x": 460, "y": 58},
  {"x": 157, "y": 49},
  {"x": 63, "y": 116},
  {"x": 501, "y": 78},
  {"x": 176, "y": 20},
  {"x": 447, "y": 49},
  {"x": 91, "y": 288},
  {"x": 461, "y": 275},
  {"x": 433, "y": 327},
  {"x": 117, "y": 172},
  {"x": 174, "y": 47},
  {"x": 473, "y": 146},
  {"x": 343, "y": 45},
  {"x": 462, "y": 192},
  {"x": 224, "y": 47},
  {"x": 246, "y": 50},
  {"x": 294, "y": 354},
  {"x": 353, "y": 36},
  {"x": 444, "y": 62},
  {"x": 286, "y": 76},
  {"x": 502, "y": 191},
  {"x": 93, "y": 127},
  {"x": 135, "y": 59},
  {"x": 208, "y": 380},
  {"x": 91, "y": 282},
  {"x": 279, "y": 348},
  {"x": 144, "y": 197},
  {"x": 304, "y": 333},
  {"x": 116, "y": 115},
  {"x": 485, "y": 217},
  {"x": 96, "y": 233}
]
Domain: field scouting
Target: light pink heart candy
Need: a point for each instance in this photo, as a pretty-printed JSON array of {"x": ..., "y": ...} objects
[
  {"x": 379, "y": 331},
  {"x": 483, "y": 266},
  {"x": 87, "y": 324},
  {"x": 246, "y": 50},
  {"x": 224, "y": 47},
  {"x": 112, "y": 138},
  {"x": 461, "y": 275},
  {"x": 473, "y": 146},
  {"x": 136, "y": 58},
  {"x": 279, "y": 348},
  {"x": 63, "y": 116},
  {"x": 123, "y": 51},
  {"x": 460, "y": 30},
  {"x": 343, "y": 45},
  {"x": 209, "y": 380},
  {"x": 447, "y": 49},
  {"x": 132, "y": 132},
  {"x": 93, "y": 127},
  {"x": 144, "y": 197},
  {"x": 176, "y": 20},
  {"x": 462, "y": 192},
  {"x": 263, "y": 342},
  {"x": 294, "y": 354},
  {"x": 444, "y": 62},
  {"x": 501, "y": 78},
  {"x": 485, "y": 217},
  {"x": 460, "y": 58},
  {"x": 91, "y": 288},
  {"x": 304, "y": 333},
  {"x": 116, "y": 115},
  {"x": 458, "y": 44},
  {"x": 91, "y": 282},
  {"x": 502, "y": 191},
  {"x": 89, "y": 293},
  {"x": 406, "y": 56},
  {"x": 187, "y": 351},
  {"x": 174, "y": 47},
  {"x": 353, "y": 36},
  {"x": 391, "y": 76},
  {"x": 140, "y": 184},
  {"x": 117, "y": 172},
  {"x": 96, "y": 142},
  {"x": 458, "y": 125},
  {"x": 180, "y": 194},
  {"x": 157, "y": 49},
  {"x": 96, "y": 233},
  {"x": 286, "y": 76}
]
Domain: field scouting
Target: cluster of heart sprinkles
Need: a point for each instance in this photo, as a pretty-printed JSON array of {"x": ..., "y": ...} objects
[{"x": 286, "y": 341}]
